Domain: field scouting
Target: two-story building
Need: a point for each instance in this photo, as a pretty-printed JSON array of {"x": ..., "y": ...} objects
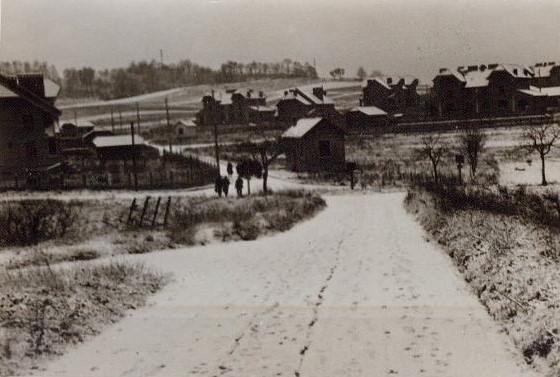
[{"x": 27, "y": 119}]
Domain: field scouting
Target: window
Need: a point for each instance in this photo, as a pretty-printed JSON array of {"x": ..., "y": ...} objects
[
  {"x": 181, "y": 131},
  {"x": 324, "y": 148}
]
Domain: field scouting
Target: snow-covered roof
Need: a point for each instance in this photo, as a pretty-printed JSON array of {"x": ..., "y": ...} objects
[
  {"x": 186, "y": 123},
  {"x": 263, "y": 108},
  {"x": 307, "y": 97},
  {"x": 452, "y": 72},
  {"x": 117, "y": 141},
  {"x": 80, "y": 123},
  {"x": 369, "y": 110},
  {"x": 302, "y": 127},
  {"x": 534, "y": 91}
]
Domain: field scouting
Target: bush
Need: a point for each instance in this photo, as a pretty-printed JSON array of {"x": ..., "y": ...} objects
[
  {"x": 29, "y": 222},
  {"x": 43, "y": 309},
  {"x": 249, "y": 217}
]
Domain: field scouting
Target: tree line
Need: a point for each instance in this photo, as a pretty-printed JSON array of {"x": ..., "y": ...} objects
[{"x": 150, "y": 76}]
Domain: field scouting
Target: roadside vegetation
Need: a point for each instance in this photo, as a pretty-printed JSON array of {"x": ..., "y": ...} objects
[
  {"x": 246, "y": 219},
  {"x": 43, "y": 310},
  {"x": 503, "y": 239}
]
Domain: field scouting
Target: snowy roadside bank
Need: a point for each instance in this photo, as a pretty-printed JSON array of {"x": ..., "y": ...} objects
[{"x": 512, "y": 264}]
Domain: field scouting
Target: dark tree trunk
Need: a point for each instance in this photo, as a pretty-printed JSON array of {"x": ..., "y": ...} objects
[
  {"x": 544, "y": 183},
  {"x": 265, "y": 180},
  {"x": 248, "y": 186}
]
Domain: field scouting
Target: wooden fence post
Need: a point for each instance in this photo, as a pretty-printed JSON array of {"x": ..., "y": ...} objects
[
  {"x": 144, "y": 209},
  {"x": 165, "y": 217},
  {"x": 132, "y": 209},
  {"x": 156, "y": 211}
]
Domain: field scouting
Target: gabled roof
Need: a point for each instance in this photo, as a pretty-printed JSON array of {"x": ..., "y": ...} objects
[
  {"x": 80, "y": 124},
  {"x": 307, "y": 97},
  {"x": 302, "y": 127},
  {"x": 186, "y": 123},
  {"x": 117, "y": 141},
  {"x": 369, "y": 110},
  {"x": 11, "y": 88},
  {"x": 451, "y": 72},
  {"x": 533, "y": 91}
]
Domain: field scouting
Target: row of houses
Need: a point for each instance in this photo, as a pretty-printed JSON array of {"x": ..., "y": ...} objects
[{"x": 496, "y": 90}]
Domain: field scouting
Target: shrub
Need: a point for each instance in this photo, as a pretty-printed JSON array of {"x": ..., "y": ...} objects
[
  {"x": 29, "y": 222},
  {"x": 43, "y": 309},
  {"x": 247, "y": 230}
]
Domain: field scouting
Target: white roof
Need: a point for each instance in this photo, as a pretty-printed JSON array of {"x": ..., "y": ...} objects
[
  {"x": 369, "y": 110},
  {"x": 80, "y": 124},
  {"x": 117, "y": 141},
  {"x": 302, "y": 127},
  {"x": 263, "y": 108},
  {"x": 51, "y": 88},
  {"x": 186, "y": 123},
  {"x": 553, "y": 91}
]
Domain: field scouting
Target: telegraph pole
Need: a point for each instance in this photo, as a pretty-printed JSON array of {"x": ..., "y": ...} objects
[
  {"x": 120, "y": 119},
  {"x": 216, "y": 146},
  {"x": 134, "y": 171},
  {"x": 112, "y": 121},
  {"x": 168, "y": 126},
  {"x": 138, "y": 116}
]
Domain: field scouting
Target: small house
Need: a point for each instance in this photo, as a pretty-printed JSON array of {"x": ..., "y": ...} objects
[
  {"x": 314, "y": 145},
  {"x": 185, "y": 129},
  {"x": 121, "y": 148},
  {"x": 366, "y": 118}
]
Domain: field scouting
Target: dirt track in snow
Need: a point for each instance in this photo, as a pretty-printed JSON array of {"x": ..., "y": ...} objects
[{"x": 356, "y": 291}]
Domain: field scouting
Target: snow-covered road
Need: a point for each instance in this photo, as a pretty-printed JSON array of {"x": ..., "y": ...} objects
[{"x": 357, "y": 291}]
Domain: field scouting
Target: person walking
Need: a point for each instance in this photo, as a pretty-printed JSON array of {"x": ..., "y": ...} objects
[
  {"x": 230, "y": 169},
  {"x": 225, "y": 186},
  {"x": 239, "y": 187},
  {"x": 218, "y": 185}
]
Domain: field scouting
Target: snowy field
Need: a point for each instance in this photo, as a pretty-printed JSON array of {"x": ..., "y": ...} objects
[{"x": 357, "y": 291}]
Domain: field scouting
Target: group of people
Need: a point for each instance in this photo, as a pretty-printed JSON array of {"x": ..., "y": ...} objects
[{"x": 221, "y": 184}]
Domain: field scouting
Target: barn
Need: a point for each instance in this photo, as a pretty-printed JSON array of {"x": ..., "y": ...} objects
[
  {"x": 366, "y": 119},
  {"x": 314, "y": 145}
]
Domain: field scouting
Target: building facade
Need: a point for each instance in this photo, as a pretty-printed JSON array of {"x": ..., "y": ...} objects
[
  {"x": 298, "y": 103},
  {"x": 314, "y": 145},
  {"x": 27, "y": 119}
]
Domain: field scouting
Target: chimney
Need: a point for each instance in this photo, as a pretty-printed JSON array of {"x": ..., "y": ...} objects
[
  {"x": 442, "y": 70},
  {"x": 472, "y": 68},
  {"x": 318, "y": 92}
]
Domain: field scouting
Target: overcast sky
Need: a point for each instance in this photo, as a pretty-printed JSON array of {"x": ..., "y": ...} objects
[{"x": 395, "y": 36}]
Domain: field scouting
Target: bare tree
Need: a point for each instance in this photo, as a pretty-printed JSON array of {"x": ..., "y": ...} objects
[
  {"x": 541, "y": 139},
  {"x": 433, "y": 149},
  {"x": 362, "y": 74},
  {"x": 471, "y": 143},
  {"x": 265, "y": 151}
]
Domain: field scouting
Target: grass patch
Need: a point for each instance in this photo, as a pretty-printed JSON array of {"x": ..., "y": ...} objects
[
  {"x": 42, "y": 310},
  {"x": 244, "y": 219}
]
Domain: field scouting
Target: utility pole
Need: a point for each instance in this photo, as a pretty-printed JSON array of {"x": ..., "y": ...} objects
[
  {"x": 216, "y": 146},
  {"x": 138, "y": 116},
  {"x": 120, "y": 119},
  {"x": 161, "y": 56},
  {"x": 168, "y": 126},
  {"x": 134, "y": 171},
  {"x": 112, "y": 121}
]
